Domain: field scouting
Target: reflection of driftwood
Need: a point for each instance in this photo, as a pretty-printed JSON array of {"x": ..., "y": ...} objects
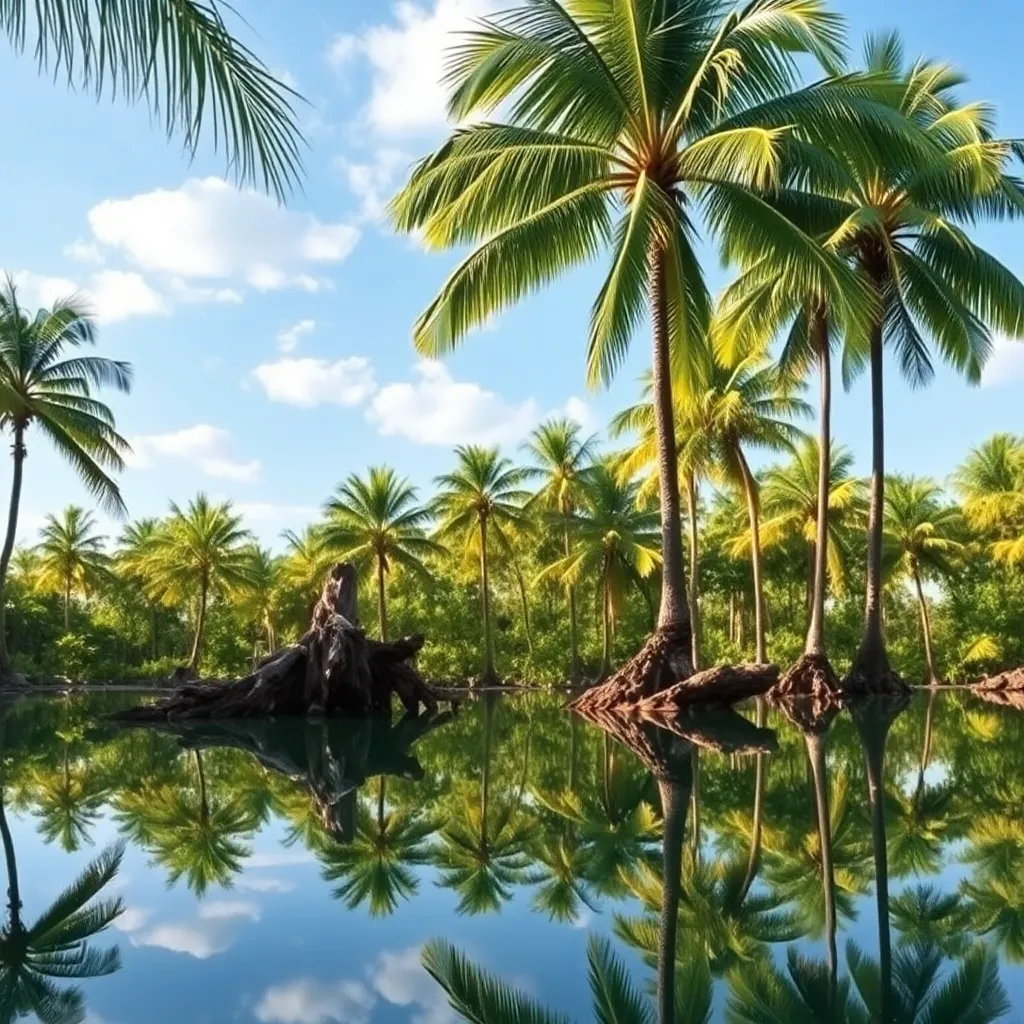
[
  {"x": 1004, "y": 698},
  {"x": 332, "y": 759},
  {"x": 334, "y": 668},
  {"x": 725, "y": 684},
  {"x": 1005, "y": 682}
]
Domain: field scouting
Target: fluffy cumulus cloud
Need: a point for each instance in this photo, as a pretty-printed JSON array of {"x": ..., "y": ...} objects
[
  {"x": 212, "y": 931},
  {"x": 288, "y": 338},
  {"x": 203, "y": 446},
  {"x": 1006, "y": 364},
  {"x": 374, "y": 182},
  {"x": 210, "y": 231},
  {"x": 109, "y": 295},
  {"x": 406, "y": 56},
  {"x": 308, "y": 1001},
  {"x": 309, "y": 382}
]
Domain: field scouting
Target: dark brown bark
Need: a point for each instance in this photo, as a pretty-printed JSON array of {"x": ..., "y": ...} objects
[
  {"x": 334, "y": 668},
  {"x": 811, "y": 676},
  {"x": 725, "y": 684}
]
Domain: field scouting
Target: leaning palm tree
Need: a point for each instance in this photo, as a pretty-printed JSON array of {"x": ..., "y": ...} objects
[
  {"x": 477, "y": 503},
  {"x": 71, "y": 556},
  {"x": 922, "y": 533},
  {"x": 45, "y": 385},
  {"x": 378, "y": 521},
  {"x": 616, "y": 543},
  {"x": 179, "y": 58},
  {"x": 200, "y": 550},
  {"x": 561, "y": 460},
  {"x": 648, "y": 111}
]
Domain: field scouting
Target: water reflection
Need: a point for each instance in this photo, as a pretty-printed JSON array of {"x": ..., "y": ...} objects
[{"x": 793, "y": 864}]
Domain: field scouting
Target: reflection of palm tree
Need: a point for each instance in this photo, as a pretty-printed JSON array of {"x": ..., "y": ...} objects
[
  {"x": 919, "y": 827},
  {"x": 69, "y": 802},
  {"x": 995, "y": 892},
  {"x": 197, "y": 838},
  {"x": 478, "y": 996},
  {"x": 375, "y": 867},
  {"x": 924, "y": 914}
]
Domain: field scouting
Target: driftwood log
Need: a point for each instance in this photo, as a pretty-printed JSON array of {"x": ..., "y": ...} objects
[
  {"x": 333, "y": 669},
  {"x": 1005, "y": 682}
]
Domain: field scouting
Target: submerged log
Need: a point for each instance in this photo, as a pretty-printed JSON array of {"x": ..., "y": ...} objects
[
  {"x": 726, "y": 684},
  {"x": 1004, "y": 682},
  {"x": 333, "y": 669}
]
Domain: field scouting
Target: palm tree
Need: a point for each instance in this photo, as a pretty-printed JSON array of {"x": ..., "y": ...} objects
[
  {"x": 201, "y": 550},
  {"x": 305, "y": 565},
  {"x": 133, "y": 559},
  {"x": 651, "y": 110},
  {"x": 479, "y": 501},
  {"x": 259, "y": 597},
  {"x": 180, "y": 59},
  {"x": 561, "y": 461},
  {"x": 378, "y": 520},
  {"x": 40, "y": 384},
  {"x": 921, "y": 533},
  {"x": 991, "y": 483},
  {"x": 615, "y": 542},
  {"x": 71, "y": 556},
  {"x": 69, "y": 800}
]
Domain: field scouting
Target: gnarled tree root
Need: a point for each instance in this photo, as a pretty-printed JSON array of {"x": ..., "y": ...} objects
[
  {"x": 811, "y": 676},
  {"x": 862, "y": 681},
  {"x": 1004, "y": 682},
  {"x": 725, "y": 684},
  {"x": 334, "y": 669}
]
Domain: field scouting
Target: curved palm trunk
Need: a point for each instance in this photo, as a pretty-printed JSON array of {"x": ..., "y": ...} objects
[
  {"x": 204, "y": 803},
  {"x": 485, "y": 773},
  {"x": 381, "y": 803},
  {"x": 13, "y": 888},
  {"x": 816, "y": 630},
  {"x": 574, "y": 646},
  {"x": 694, "y": 581},
  {"x": 674, "y": 613},
  {"x": 695, "y": 802},
  {"x": 926, "y": 745},
  {"x": 485, "y": 599},
  {"x": 382, "y": 611},
  {"x": 606, "y": 626},
  {"x": 815, "y": 743},
  {"x": 675, "y": 797},
  {"x": 67, "y": 604},
  {"x": 754, "y": 514},
  {"x": 872, "y": 662},
  {"x": 926, "y": 629},
  {"x": 197, "y": 645},
  {"x": 754, "y": 858},
  {"x": 18, "y": 451},
  {"x": 524, "y": 605}
]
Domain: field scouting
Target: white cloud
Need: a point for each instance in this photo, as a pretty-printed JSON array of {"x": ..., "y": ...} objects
[
  {"x": 308, "y": 1001},
  {"x": 266, "y": 883},
  {"x": 82, "y": 251},
  {"x": 209, "y": 230},
  {"x": 229, "y": 910},
  {"x": 372, "y": 183},
  {"x": 407, "y": 61},
  {"x": 133, "y": 919},
  {"x": 578, "y": 410},
  {"x": 202, "y": 445},
  {"x": 437, "y": 409},
  {"x": 278, "y": 858},
  {"x": 109, "y": 295},
  {"x": 308, "y": 382},
  {"x": 288, "y": 338},
  {"x": 1006, "y": 363},
  {"x": 213, "y": 931},
  {"x": 185, "y": 292}
]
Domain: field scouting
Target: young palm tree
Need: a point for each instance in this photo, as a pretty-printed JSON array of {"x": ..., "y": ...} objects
[
  {"x": 648, "y": 109},
  {"x": 201, "y": 550},
  {"x": 180, "y": 59},
  {"x": 477, "y": 503},
  {"x": 71, "y": 556},
  {"x": 615, "y": 542},
  {"x": 133, "y": 560},
  {"x": 378, "y": 521},
  {"x": 45, "y": 385},
  {"x": 921, "y": 533},
  {"x": 561, "y": 460},
  {"x": 990, "y": 482}
]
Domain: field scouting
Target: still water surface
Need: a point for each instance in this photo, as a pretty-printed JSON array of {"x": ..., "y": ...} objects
[{"x": 292, "y": 873}]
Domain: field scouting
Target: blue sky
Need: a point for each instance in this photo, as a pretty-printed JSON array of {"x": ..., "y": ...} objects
[{"x": 272, "y": 345}]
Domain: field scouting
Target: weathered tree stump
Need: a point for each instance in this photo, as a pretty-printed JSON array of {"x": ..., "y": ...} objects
[
  {"x": 811, "y": 676},
  {"x": 333, "y": 669},
  {"x": 1004, "y": 682}
]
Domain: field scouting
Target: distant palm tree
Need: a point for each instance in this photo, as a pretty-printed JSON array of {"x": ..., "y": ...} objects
[
  {"x": 200, "y": 550},
  {"x": 477, "y": 503},
  {"x": 259, "y": 596},
  {"x": 305, "y": 565},
  {"x": 377, "y": 520},
  {"x": 561, "y": 460},
  {"x": 990, "y": 482},
  {"x": 71, "y": 556},
  {"x": 180, "y": 59},
  {"x": 921, "y": 533},
  {"x": 616, "y": 543},
  {"x": 41, "y": 384},
  {"x": 133, "y": 559}
]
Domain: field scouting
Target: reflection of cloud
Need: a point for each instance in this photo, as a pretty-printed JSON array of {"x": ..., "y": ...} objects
[
  {"x": 133, "y": 919},
  {"x": 265, "y": 883},
  {"x": 278, "y": 858},
  {"x": 308, "y": 1001},
  {"x": 214, "y": 930},
  {"x": 401, "y": 980}
]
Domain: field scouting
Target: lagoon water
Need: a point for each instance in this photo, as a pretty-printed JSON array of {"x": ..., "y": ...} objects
[{"x": 291, "y": 873}]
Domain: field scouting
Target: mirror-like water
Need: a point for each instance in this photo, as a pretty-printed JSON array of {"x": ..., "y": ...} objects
[{"x": 293, "y": 873}]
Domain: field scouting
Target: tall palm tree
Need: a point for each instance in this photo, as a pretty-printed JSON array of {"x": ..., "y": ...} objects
[
  {"x": 179, "y": 58},
  {"x": 71, "y": 556},
  {"x": 650, "y": 110},
  {"x": 615, "y": 542},
  {"x": 133, "y": 559},
  {"x": 922, "y": 536},
  {"x": 561, "y": 460},
  {"x": 377, "y": 520},
  {"x": 46, "y": 384},
  {"x": 201, "y": 549},
  {"x": 477, "y": 502}
]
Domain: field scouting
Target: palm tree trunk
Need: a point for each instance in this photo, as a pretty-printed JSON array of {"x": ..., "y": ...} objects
[
  {"x": 67, "y": 604},
  {"x": 695, "y": 801},
  {"x": 18, "y": 450},
  {"x": 382, "y": 613},
  {"x": 381, "y": 802},
  {"x": 753, "y": 511},
  {"x": 926, "y": 744},
  {"x": 675, "y": 797},
  {"x": 570, "y": 594},
  {"x": 674, "y": 613},
  {"x": 732, "y": 616},
  {"x": 606, "y": 627},
  {"x": 816, "y": 629},
  {"x": 524, "y": 606},
  {"x": 152, "y": 632},
  {"x": 197, "y": 645},
  {"x": 485, "y": 600},
  {"x": 204, "y": 803},
  {"x": 815, "y": 743},
  {"x": 754, "y": 858},
  {"x": 13, "y": 888},
  {"x": 694, "y": 588},
  {"x": 871, "y": 662},
  {"x": 926, "y": 629}
]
